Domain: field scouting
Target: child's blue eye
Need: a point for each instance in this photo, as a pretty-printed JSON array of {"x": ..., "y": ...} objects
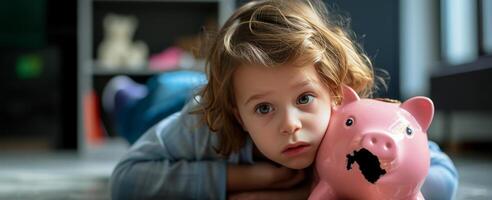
[
  {"x": 305, "y": 99},
  {"x": 264, "y": 108}
]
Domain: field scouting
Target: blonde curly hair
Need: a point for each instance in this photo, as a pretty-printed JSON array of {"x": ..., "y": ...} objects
[{"x": 271, "y": 33}]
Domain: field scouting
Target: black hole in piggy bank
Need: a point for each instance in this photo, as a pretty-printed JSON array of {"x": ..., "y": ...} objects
[{"x": 368, "y": 164}]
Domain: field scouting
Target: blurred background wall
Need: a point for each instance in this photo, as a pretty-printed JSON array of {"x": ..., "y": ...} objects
[{"x": 38, "y": 74}]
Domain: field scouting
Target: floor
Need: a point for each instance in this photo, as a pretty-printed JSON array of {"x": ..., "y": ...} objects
[
  {"x": 61, "y": 175},
  {"x": 70, "y": 176},
  {"x": 475, "y": 176},
  {"x": 53, "y": 176}
]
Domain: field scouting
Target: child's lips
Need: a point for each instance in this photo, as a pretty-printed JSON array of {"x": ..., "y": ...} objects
[{"x": 296, "y": 149}]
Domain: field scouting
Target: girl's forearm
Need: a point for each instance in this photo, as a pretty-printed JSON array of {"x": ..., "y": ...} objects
[
  {"x": 262, "y": 176},
  {"x": 296, "y": 193},
  {"x": 238, "y": 178}
]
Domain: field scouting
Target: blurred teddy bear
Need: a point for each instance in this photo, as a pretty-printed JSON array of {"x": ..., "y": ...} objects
[{"x": 117, "y": 49}]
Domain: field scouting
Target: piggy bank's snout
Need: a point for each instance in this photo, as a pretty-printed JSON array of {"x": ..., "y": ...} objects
[{"x": 381, "y": 145}]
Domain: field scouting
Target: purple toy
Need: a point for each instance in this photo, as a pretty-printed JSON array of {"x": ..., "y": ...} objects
[{"x": 374, "y": 149}]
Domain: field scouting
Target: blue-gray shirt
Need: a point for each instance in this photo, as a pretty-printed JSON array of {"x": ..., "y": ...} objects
[{"x": 175, "y": 159}]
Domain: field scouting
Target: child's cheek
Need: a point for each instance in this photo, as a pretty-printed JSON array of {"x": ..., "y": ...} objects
[{"x": 324, "y": 116}]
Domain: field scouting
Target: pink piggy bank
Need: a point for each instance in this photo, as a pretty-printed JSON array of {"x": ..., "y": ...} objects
[{"x": 374, "y": 149}]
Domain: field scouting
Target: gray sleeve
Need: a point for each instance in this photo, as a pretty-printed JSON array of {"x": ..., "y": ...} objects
[
  {"x": 173, "y": 160},
  {"x": 442, "y": 180}
]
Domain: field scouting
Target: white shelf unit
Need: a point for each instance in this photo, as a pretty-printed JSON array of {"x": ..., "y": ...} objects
[{"x": 86, "y": 56}]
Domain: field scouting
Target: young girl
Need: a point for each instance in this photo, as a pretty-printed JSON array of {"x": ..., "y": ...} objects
[{"x": 274, "y": 71}]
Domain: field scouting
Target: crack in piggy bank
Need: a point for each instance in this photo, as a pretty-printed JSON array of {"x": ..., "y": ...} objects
[{"x": 369, "y": 164}]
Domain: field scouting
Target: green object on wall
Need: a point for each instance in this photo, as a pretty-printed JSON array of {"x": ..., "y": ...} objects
[{"x": 29, "y": 66}]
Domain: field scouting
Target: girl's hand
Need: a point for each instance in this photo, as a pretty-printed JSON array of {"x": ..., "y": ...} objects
[
  {"x": 300, "y": 192},
  {"x": 261, "y": 176},
  {"x": 275, "y": 177},
  {"x": 252, "y": 195}
]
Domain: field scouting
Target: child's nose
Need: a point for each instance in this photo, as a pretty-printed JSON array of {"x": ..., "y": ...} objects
[{"x": 290, "y": 122}]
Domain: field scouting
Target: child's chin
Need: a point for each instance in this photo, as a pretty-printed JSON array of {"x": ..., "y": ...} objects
[{"x": 299, "y": 164}]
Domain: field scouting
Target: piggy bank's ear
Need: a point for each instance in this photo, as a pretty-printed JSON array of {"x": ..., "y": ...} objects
[
  {"x": 349, "y": 95},
  {"x": 422, "y": 109}
]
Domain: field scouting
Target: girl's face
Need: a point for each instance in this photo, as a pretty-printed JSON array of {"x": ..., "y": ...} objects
[{"x": 285, "y": 110}]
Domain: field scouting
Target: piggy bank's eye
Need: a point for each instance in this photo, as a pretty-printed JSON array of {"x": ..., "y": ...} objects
[
  {"x": 349, "y": 122},
  {"x": 409, "y": 131}
]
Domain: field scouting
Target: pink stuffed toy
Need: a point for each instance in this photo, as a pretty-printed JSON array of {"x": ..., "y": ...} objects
[{"x": 374, "y": 149}]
